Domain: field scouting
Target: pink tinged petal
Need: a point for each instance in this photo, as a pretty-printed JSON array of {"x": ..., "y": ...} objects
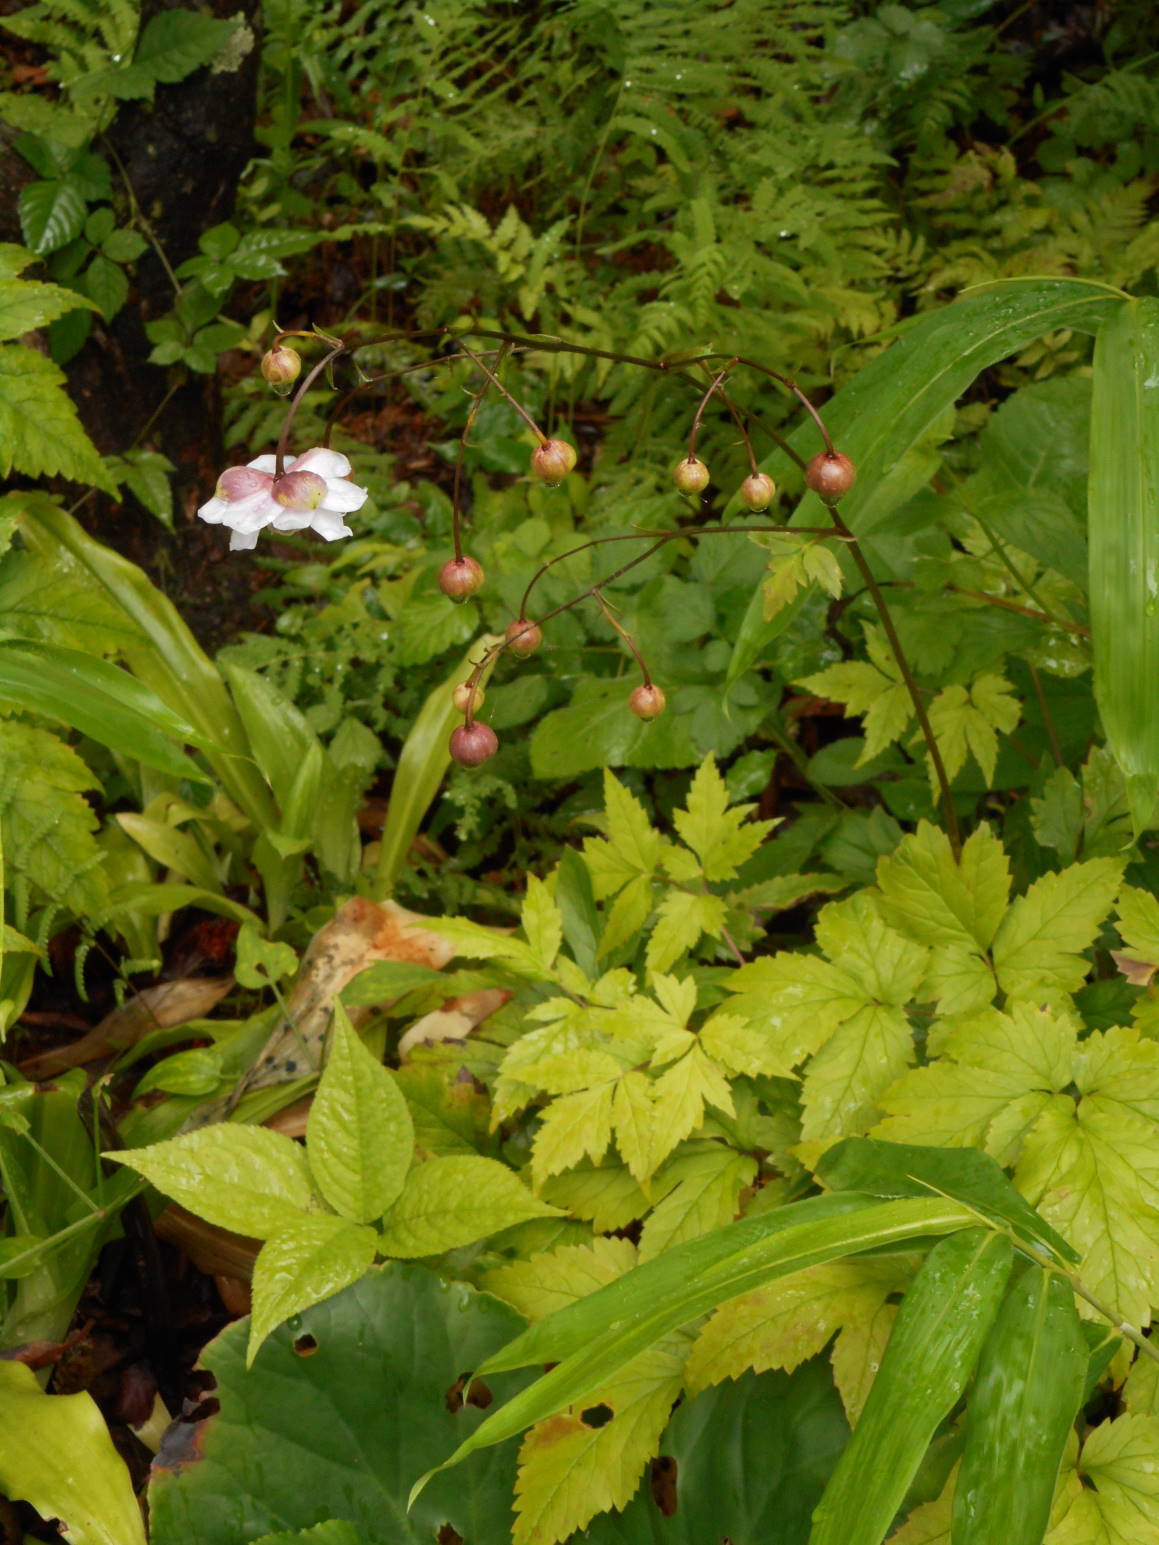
[
  {"x": 216, "y": 511},
  {"x": 238, "y": 483},
  {"x": 252, "y": 514},
  {"x": 330, "y": 526},
  {"x": 324, "y": 462},
  {"x": 267, "y": 464},
  {"x": 342, "y": 497}
]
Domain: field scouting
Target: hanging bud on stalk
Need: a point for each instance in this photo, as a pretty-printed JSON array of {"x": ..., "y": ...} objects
[
  {"x": 464, "y": 697},
  {"x": 473, "y": 744},
  {"x": 460, "y": 578},
  {"x": 690, "y": 475},
  {"x": 551, "y": 462},
  {"x": 524, "y": 637},
  {"x": 281, "y": 367},
  {"x": 830, "y": 475},
  {"x": 758, "y": 491},
  {"x": 648, "y": 701}
]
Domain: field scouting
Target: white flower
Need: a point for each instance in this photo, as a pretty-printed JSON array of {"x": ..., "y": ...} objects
[{"x": 313, "y": 492}]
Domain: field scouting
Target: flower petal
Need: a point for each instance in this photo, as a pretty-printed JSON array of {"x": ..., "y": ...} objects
[
  {"x": 215, "y": 511},
  {"x": 267, "y": 463},
  {"x": 293, "y": 520},
  {"x": 325, "y": 462},
  {"x": 330, "y": 526},
  {"x": 242, "y": 541},
  {"x": 343, "y": 498}
]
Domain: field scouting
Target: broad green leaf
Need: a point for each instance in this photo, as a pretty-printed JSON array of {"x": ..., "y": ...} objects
[
  {"x": 155, "y": 900},
  {"x": 52, "y": 213},
  {"x": 1037, "y": 947},
  {"x": 940, "y": 1328},
  {"x": 332, "y": 1531},
  {"x": 601, "y": 1334},
  {"x": 940, "y": 900},
  {"x": 367, "y": 1437},
  {"x": 247, "y": 1179},
  {"x": 56, "y": 1453},
  {"x": 302, "y": 1264},
  {"x": 1022, "y": 1408},
  {"x": 421, "y": 767},
  {"x": 782, "y": 1324},
  {"x": 47, "y": 824},
  {"x": 570, "y": 1470},
  {"x": 40, "y": 433},
  {"x": 359, "y": 1133},
  {"x": 172, "y": 848},
  {"x": 450, "y": 1202},
  {"x": 546, "y": 1282},
  {"x": 26, "y": 305},
  {"x": 172, "y": 45},
  {"x": 55, "y": 603},
  {"x": 598, "y": 729},
  {"x": 1123, "y": 500},
  {"x": 261, "y": 962},
  {"x": 962, "y": 1174}
]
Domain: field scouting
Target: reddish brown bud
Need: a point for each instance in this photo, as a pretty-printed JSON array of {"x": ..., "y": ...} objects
[
  {"x": 552, "y": 461},
  {"x": 463, "y": 698},
  {"x": 524, "y": 637},
  {"x": 758, "y": 491},
  {"x": 473, "y": 744},
  {"x": 690, "y": 475},
  {"x": 281, "y": 367},
  {"x": 830, "y": 475},
  {"x": 240, "y": 482},
  {"x": 460, "y": 578},
  {"x": 648, "y": 702}
]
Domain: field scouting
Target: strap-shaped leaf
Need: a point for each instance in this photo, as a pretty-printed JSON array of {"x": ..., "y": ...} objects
[
  {"x": 1123, "y": 497},
  {"x": 599, "y": 1335}
]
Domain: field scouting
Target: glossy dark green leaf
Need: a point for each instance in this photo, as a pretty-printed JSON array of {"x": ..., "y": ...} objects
[
  {"x": 1022, "y": 1408},
  {"x": 342, "y": 1409},
  {"x": 941, "y": 1326},
  {"x": 966, "y": 1174}
]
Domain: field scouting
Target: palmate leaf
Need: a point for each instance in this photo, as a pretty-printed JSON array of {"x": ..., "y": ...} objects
[
  {"x": 1120, "y": 1506},
  {"x": 26, "y": 305}
]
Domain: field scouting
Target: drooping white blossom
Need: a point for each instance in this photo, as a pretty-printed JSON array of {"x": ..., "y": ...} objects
[{"x": 314, "y": 492}]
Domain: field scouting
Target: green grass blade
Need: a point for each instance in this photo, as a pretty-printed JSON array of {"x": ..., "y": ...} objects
[
  {"x": 1027, "y": 1394},
  {"x": 940, "y": 1328},
  {"x": 421, "y": 767},
  {"x": 620, "y": 1321},
  {"x": 1123, "y": 498}
]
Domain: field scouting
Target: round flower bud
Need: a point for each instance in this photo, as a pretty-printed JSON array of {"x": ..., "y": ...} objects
[
  {"x": 758, "y": 491},
  {"x": 473, "y": 744},
  {"x": 552, "y": 461},
  {"x": 460, "y": 578},
  {"x": 691, "y": 475},
  {"x": 463, "y": 699},
  {"x": 281, "y": 367},
  {"x": 240, "y": 482},
  {"x": 830, "y": 475},
  {"x": 524, "y": 637},
  {"x": 300, "y": 490},
  {"x": 648, "y": 702}
]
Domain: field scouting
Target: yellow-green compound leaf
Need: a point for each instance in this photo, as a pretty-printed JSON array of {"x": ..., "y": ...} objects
[
  {"x": 47, "y": 824},
  {"x": 542, "y": 923},
  {"x": 26, "y": 305},
  {"x": 887, "y": 966},
  {"x": 1037, "y": 948},
  {"x": 40, "y": 433},
  {"x": 863, "y": 689},
  {"x": 780, "y": 1325},
  {"x": 856, "y": 1357},
  {"x": 939, "y": 900},
  {"x": 570, "y": 1469},
  {"x": 940, "y": 1328},
  {"x": 967, "y": 722},
  {"x": 573, "y": 1127},
  {"x": 683, "y": 917},
  {"x": 1022, "y": 1409},
  {"x": 682, "y": 1091},
  {"x": 359, "y": 1134},
  {"x": 717, "y": 835},
  {"x": 632, "y": 847},
  {"x": 455, "y": 1201},
  {"x": 301, "y": 1265},
  {"x": 546, "y": 1282},
  {"x": 1119, "y": 1460},
  {"x": 741, "y": 1047},
  {"x": 844, "y": 1081},
  {"x": 247, "y": 1179},
  {"x": 1123, "y": 501},
  {"x": 1141, "y": 1391},
  {"x": 703, "y": 1190},
  {"x": 636, "y": 1119},
  {"x": 1138, "y": 925},
  {"x": 56, "y": 1453},
  {"x": 796, "y": 1000}
]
